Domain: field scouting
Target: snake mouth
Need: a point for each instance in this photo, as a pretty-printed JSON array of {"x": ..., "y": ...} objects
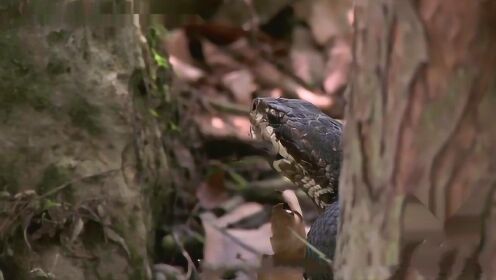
[{"x": 264, "y": 123}]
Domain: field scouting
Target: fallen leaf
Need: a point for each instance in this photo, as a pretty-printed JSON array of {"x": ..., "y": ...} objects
[
  {"x": 270, "y": 271},
  {"x": 230, "y": 248},
  {"x": 77, "y": 229},
  {"x": 212, "y": 193},
  {"x": 307, "y": 62},
  {"x": 115, "y": 237},
  {"x": 285, "y": 224},
  {"x": 327, "y": 19},
  {"x": 176, "y": 44},
  {"x": 338, "y": 66},
  {"x": 227, "y": 126},
  {"x": 185, "y": 71},
  {"x": 241, "y": 83},
  {"x": 218, "y": 59},
  {"x": 184, "y": 157},
  {"x": 164, "y": 271},
  {"x": 289, "y": 250},
  {"x": 242, "y": 13}
]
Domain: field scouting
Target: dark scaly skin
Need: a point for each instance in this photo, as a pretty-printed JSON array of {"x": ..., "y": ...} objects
[
  {"x": 312, "y": 141},
  {"x": 322, "y": 235},
  {"x": 312, "y": 150}
]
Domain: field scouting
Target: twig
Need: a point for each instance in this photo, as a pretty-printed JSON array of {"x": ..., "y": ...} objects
[
  {"x": 191, "y": 264},
  {"x": 67, "y": 184},
  {"x": 317, "y": 251},
  {"x": 233, "y": 238},
  {"x": 254, "y": 19},
  {"x": 47, "y": 194},
  {"x": 227, "y": 107}
]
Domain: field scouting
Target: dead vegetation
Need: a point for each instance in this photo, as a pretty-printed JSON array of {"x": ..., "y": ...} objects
[{"x": 235, "y": 226}]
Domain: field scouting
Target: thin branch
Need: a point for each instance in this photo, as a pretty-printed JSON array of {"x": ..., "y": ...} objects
[
  {"x": 67, "y": 184},
  {"x": 313, "y": 248},
  {"x": 233, "y": 238},
  {"x": 191, "y": 264}
]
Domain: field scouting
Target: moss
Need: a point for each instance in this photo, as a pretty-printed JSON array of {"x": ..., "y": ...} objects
[
  {"x": 137, "y": 265},
  {"x": 20, "y": 84},
  {"x": 108, "y": 276},
  {"x": 132, "y": 221},
  {"x": 57, "y": 66},
  {"x": 8, "y": 176},
  {"x": 57, "y": 37},
  {"x": 84, "y": 115},
  {"x": 53, "y": 177}
]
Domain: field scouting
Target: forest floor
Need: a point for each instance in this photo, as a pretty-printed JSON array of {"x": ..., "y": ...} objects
[{"x": 227, "y": 211}]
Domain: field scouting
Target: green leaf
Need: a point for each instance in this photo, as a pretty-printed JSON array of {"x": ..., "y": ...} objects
[
  {"x": 48, "y": 203},
  {"x": 159, "y": 59}
]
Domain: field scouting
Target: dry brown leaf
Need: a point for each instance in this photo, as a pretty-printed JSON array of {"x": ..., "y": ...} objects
[
  {"x": 78, "y": 226},
  {"x": 115, "y": 237},
  {"x": 241, "y": 13},
  {"x": 227, "y": 126},
  {"x": 269, "y": 271},
  {"x": 231, "y": 248},
  {"x": 241, "y": 83},
  {"x": 307, "y": 62},
  {"x": 176, "y": 44},
  {"x": 338, "y": 66},
  {"x": 289, "y": 251},
  {"x": 327, "y": 19},
  {"x": 185, "y": 71},
  {"x": 164, "y": 271},
  {"x": 321, "y": 101},
  {"x": 285, "y": 224},
  {"x": 219, "y": 59},
  {"x": 184, "y": 157},
  {"x": 212, "y": 193}
]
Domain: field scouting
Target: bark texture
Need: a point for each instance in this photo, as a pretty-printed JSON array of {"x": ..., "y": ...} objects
[
  {"x": 417, "y": 188},
  {"x": 81, "y": 157}
]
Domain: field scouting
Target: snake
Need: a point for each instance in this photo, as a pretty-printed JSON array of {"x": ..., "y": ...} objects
[{"x": 305, "y": 146}]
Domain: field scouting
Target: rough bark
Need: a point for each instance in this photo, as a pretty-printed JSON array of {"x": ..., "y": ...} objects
[
  {"x": 417, "y": 188},
  {"x": 81, "y": 157}
]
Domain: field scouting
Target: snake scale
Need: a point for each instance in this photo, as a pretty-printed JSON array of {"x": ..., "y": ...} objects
[{"x": 305, "y": 146}]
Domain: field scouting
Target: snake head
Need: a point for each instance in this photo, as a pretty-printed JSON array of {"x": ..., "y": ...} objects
[{"x": 305, "y": 142}]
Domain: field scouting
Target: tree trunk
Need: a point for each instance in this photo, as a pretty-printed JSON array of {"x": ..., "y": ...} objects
[
  {"x": 417, "y": 188},
  {"x": 80, "y": 153}
]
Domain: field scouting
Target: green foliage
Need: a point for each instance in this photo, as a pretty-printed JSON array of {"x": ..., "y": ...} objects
[
  {"x": 159, "y": 59},
  {"x": 48, "y": 204}
]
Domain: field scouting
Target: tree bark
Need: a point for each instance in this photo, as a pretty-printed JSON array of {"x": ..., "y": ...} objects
[
  {"x": 417, "y": 186},
  {"x": 82, "y": 164}
]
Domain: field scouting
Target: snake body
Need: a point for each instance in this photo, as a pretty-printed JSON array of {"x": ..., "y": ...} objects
[{"x": 305, "y": 145}]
